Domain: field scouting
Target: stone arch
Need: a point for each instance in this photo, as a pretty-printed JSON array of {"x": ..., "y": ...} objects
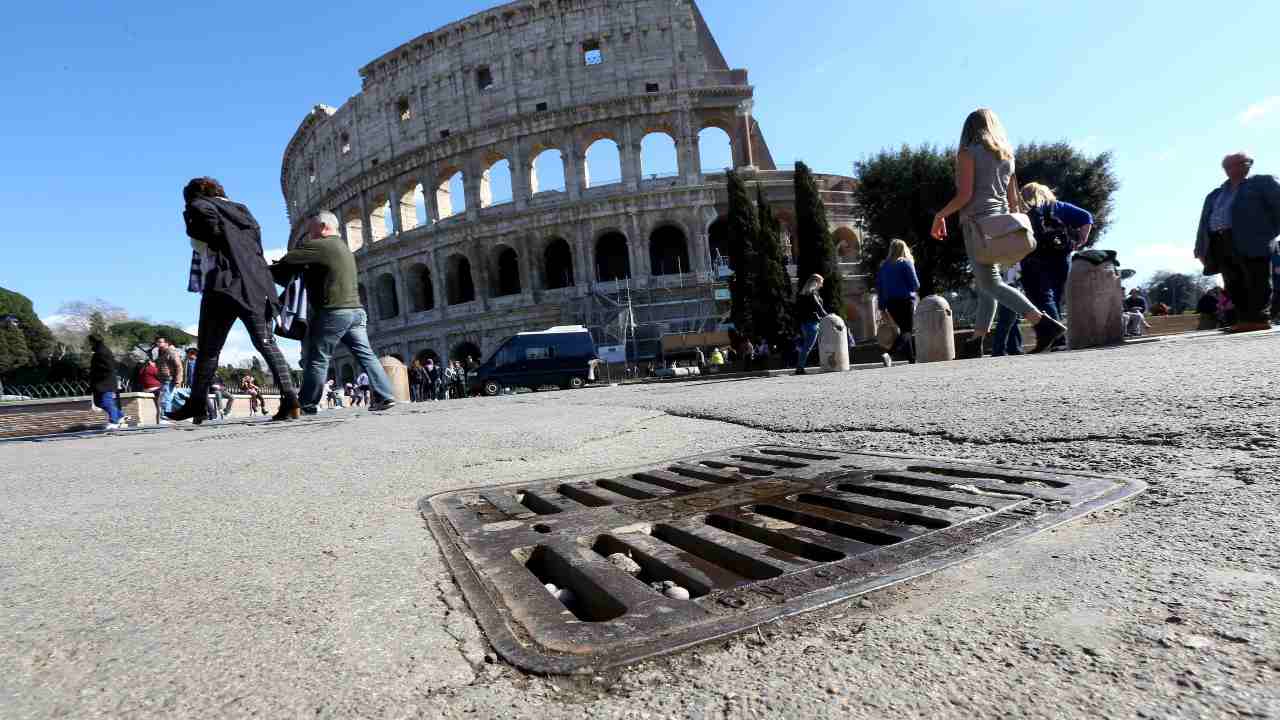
[
  {"x": 557, "y": 264},
  {"x": 459, "y": 286},
  {"x": 613, "y": 257},
  {"x": 388, "y": 302},
  {"x": 364, "y": 295},
  {"x": 848, "y": 244},
  {"x": 718, "y": 242},
  {"x": 465, "y": 350},
  {"x": 406, "y": 203},
  {"x": 422, "y": 291},
  {"x": 602, "y": 162},
  {"x": 353, "y": 228},
  {"x": 451, "y": 193},
  {"x": 658, "y": 155},
  {"x": 426, "y": 354},
  {"x": 715, "y": 148},
  {"x": 505, "y": 271},
  {"x": 347, "y": 374},
  {"x": 380, "y": 223},
  {"x": 546, "y": 170},
  {"x": 495, "y": 182},
  {"x": 668, "y": 250}
]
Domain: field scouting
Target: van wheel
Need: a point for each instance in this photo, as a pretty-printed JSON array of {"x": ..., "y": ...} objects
[
  {"x": 576, "y": 382},
  {"x": 492, "y": 388}
]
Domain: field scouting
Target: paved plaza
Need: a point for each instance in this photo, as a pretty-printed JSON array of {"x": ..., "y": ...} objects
[{"x": 283, "y": 570}]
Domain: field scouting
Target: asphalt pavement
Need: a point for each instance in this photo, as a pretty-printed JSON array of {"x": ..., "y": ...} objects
[{"x": 282, "y": 570}]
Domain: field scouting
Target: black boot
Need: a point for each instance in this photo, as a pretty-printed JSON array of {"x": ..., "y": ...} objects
[
  {"x": 1048, "y": 331},
  {"x": 290, "y": 409},
  {"x": 972, "y": 348},
  {"x": 189, "y": 411}
]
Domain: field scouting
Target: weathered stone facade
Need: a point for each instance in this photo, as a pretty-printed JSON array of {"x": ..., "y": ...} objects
[{"x": 508, "y": 85}]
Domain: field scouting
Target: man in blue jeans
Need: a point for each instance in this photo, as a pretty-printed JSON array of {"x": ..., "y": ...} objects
[{"x": 329, "y": 273}]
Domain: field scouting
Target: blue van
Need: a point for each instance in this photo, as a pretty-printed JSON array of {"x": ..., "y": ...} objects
[{"x": 562, "y": 356}]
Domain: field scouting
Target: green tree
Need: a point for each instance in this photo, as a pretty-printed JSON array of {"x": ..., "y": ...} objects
[
  {"x": 141, "y": 334},
  {"x": 817, "y": 248},
  {"x": 742, "y": 229},
  {"x": 1076, "y": 177},
  {"x": 37, "y": 338},
  {"x": 772, "y": 310},
  {"x": 14, "y": 353},
  {"x": 898, "y": 193},
  {"x": 1180, "y": 291}
]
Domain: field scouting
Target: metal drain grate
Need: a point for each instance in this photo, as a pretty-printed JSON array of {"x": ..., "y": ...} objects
[{"x": 751, "y": 535}]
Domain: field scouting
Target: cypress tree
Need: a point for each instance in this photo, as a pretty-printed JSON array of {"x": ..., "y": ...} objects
[
  {"x": 773, "y": 291},
  {"x": 817, "y": 251},
  {"x": 743, "y": 227}
]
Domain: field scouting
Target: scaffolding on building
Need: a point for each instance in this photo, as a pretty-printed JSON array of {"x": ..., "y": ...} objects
[{"x": 639, "y": 317}]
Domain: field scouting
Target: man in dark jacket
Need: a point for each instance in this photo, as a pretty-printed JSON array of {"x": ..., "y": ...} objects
[
  {"x": 1238, "y": 228},
  {"x": 236, "y": 284},
  {"x": 329, "y": 273},
  {"x": 104, "y": 383}
]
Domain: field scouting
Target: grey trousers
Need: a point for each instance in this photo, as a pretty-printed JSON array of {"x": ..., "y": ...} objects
[{"x": 991, "y": 288}]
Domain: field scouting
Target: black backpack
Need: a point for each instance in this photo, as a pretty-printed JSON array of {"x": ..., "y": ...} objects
[{"x": 1052, "y": 235}]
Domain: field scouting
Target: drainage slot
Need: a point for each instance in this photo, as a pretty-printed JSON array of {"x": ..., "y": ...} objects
[
  {"x": 976, "y": 475},
  {"x": 803, "y": 455},
  {"x": 621, "y": 489},
  {"x": 775, "y": 540},
  {"x": 696, "y": 473},
  {"x": 827, "y": 525},
  {"x": 579, "y": 495},
  {"x": 663, "y": 482},
  {"x": 704, "y": 549},
  {"x": 539, "y": 504},
  {"x": 908, "y": 497},
  {"x": 857, "y": 508},
  {"x": 652, "y": 570},
  {"x": 589, "y": 601},
  {"x": 788, "y": 464},
  {"x": 716, "y": 464}
]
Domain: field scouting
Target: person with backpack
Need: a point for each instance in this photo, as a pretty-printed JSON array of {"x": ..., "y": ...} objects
[
  {"x": 1060, "y": 229},
  {"x": 898, "y": 286}
]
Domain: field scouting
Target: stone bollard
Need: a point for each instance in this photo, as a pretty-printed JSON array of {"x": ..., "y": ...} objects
[
  {"x": 398, "y": 374},
  {"x": 1095, "y": 305},
  {"x": 935, "y": 330},
  {"x": 833, "y": 345}
]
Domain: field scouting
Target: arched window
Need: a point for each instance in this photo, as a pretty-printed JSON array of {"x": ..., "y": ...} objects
[
  {"x": 548, "y": 172},
  {"x": 658, "y": 156},
  {"x": 388, "y": 303},
  {"x": 428, "y": 354},
  {"x": 603, "y": 164},
  {"x": 715, "y": 150},
  {"x": 718, "y": 242},
  {"x": 466, "y": 351},
  {"x": 506, "y": 271},
  {"x": 451, "y": 196},
  {"x": 420, "y": 206},
  {"x": 557, "y": 265},
  {"x": 668, "y": 251},
  {"x": 364, "y": 296},
  {"x": 422, "y": 292},
  {"x": 612, "y": 259},
  {"x": 458, "y": 284},
  {"x": 407, "y": 206},
  {"x": 495, "y": 184},
  {"x": 848, "y": 247},
  {"x": 353, "y": 226},
  {"x": 380, "y": 222}
]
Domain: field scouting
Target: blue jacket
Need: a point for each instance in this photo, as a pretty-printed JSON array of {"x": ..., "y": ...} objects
[
  {"x": 896, "y": 281},
  {"x": 1255, "y": 218}
]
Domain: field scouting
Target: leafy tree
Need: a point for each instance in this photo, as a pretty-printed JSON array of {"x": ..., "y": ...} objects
[
  {"x": 742, "y": 229},
  {"x": 817, "y": 248},
  {"x": 38, "y": 339},
  {"x": 141, "y": 334},
  {"x": 1180, "y": 291},
  {"x": 772, "y": 309},
  {"x": 1074, "y": 176},
  {"x": 14, "y": 353}
]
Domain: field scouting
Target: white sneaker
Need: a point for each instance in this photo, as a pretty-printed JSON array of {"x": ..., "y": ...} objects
[
  {"x": 886, "y": 360},
  {"x": 113, "y": 426}
]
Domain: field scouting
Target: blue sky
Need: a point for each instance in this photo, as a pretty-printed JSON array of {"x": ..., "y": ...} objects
[{"x": 110, "y": 107}]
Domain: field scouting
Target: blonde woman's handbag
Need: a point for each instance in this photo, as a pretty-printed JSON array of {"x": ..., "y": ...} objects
[
  {"x": 887, "y": 335},
  {"x": 1003, "y": 239}
]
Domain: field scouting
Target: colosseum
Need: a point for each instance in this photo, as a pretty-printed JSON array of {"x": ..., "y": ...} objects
[{"x": 542, "y": 163}]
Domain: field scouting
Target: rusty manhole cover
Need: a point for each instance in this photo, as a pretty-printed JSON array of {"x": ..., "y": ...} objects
[{"x": 749, "y": 535}]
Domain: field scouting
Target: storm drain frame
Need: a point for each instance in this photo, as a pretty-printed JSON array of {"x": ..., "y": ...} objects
[{"x": 754, "y": 534}]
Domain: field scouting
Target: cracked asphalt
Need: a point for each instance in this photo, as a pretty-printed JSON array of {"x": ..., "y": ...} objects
[{"x": 283, "y": 571}]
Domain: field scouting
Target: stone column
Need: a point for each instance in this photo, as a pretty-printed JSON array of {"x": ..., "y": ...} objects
[
  {"x": 584, "y": 270},
  {"x": 574, "y": 169},
  {"x": 429, "y": 199},
  {"x": 393, "y": 205},
  {"x": 438, "y": 286},
  {"x": 629, "y": 157},
  {"x": 521, "y": 185},
  {"x": 402, "y": 291},
  {"x": 480, "y": 275},
  {"x": 472, "y": 178},
  {"x": 366, "y": 226}
]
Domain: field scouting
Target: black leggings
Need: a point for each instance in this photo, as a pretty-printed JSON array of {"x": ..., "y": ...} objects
[
  {"x": 902, "y": 311},
  {"x": 218, "y": 313}
]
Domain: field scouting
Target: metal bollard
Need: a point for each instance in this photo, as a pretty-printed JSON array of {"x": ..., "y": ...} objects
[
  {"x": 1095, "y": 305},
  {"x": 935, "y": 330},
  {"x": 398, "y": 374},
  {"x": 833, "y": 344}
]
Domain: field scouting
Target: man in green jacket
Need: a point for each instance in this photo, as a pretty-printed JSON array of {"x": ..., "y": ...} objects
[{"x": 329, "y": 274}]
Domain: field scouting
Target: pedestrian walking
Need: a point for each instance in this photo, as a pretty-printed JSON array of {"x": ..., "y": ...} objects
[
  {"x": 433, "y": 380},
  {"x": 169, "y": 370},
  {"x": 234, "y": 283},
  {"x": 986, "y": 187},
  {"x": 104, "y": 383},
  {"x": 1008, "y": 334},
  {"x": 809, "y": 313},
  {"x": 417, "y": 382},
  {"x": 1061, "y": 229},
  {"x": 149, "y": 382},
  {"x": 329, "y": 274},
  {"x": 1237, "y": 237},
  {"x": 898, "y": 287},
  {"x": 189, "y": 367}
]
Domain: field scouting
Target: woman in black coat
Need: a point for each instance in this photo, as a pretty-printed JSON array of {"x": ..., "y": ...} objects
[
  {"x": 103, "y": 381},
  {"x": 237, "y": 284}
]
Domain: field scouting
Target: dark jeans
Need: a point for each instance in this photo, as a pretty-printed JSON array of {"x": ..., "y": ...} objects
[
  {"x": 218, "y": 313},
  {"x": 107, "y": 401},
  {"x": 903, "y": 312},
  {"x": 1247, "y": 280},
  {"x": 1008, "y": 337},
  {"x": 348, "y": 326},
  {"x": 809, "y": 338},
  {"x": 1044, "y": 280}
]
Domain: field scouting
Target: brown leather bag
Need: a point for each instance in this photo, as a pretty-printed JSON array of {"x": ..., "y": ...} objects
[{"x": 1003, "y": 239}]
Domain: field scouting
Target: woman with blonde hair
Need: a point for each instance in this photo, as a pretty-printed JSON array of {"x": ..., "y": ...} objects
[
  {"x": 809, "y": 313},
  {"x": 1060, "y": 228},
  {"x": 897, "y": 285},
  {"x": 986, "y": 186}
]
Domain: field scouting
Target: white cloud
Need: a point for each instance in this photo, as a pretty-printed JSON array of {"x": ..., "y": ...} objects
[
  {"x": 274, "y": 254},
  {"x": 1260, "y": 110}
]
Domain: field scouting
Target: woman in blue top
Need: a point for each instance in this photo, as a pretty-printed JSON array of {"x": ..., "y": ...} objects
[
  {"x": 986, "y": 186},
  {"x": 897, "y": 285},
  {"x": 1061, "y": 229}
]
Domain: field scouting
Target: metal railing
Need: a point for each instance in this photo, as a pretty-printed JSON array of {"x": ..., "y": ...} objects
[{"x": 49, "y": 391}]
